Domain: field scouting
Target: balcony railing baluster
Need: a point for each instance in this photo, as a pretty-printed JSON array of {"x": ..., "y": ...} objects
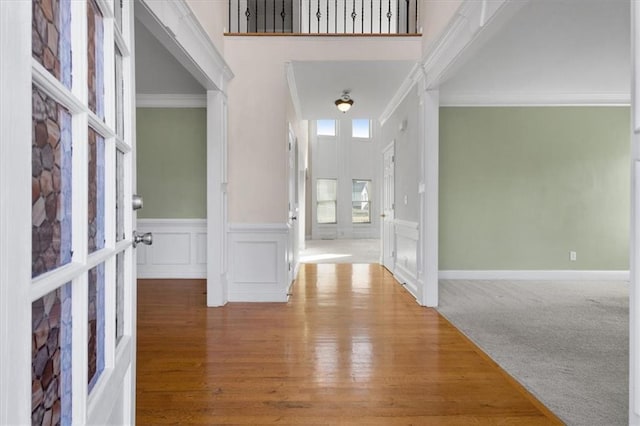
[{"x": 317, "y": 16}]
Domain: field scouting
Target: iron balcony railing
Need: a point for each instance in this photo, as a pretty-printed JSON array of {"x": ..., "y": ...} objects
[{"x": 324, "y": 16}]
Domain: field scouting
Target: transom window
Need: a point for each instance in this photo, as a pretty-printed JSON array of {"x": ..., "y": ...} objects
[
  {"x": 361, "y": 128},
  {"x": 326, "y": 127}
]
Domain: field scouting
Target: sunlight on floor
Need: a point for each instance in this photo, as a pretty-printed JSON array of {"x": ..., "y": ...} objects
[{"x": 326, "y": 256}]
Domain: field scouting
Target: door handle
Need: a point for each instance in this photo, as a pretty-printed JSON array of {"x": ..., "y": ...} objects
[
  {"x": 383, "y": 215},
  {"x": 294, "y": 217},
  {"x": 136, "y": 202},
  {"x": 146, "y": 238}
]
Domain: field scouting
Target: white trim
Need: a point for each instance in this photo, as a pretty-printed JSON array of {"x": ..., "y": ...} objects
[
  {"x": 407, "y": 239},
  {"x": 406, "y": 223},
  {"x": 405, "y": 88},
  {"x": 171, "y": 101},
  {"x": 429, "y": 215},
  {"x": 560, "y": 275},
  {"x": 178, "y": 251},
  {"x": 406, "y": 279},
  {"x": 512, "y": 99},
  {"x": 216, "y": 198},
  {"x": 467, "y": 24},
  {"x": 176, "y": 27},
  {"x": 293, "y": 90}
]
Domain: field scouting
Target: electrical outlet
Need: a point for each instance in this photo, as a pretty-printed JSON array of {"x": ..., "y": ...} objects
[{"x": 572, "y": 256}]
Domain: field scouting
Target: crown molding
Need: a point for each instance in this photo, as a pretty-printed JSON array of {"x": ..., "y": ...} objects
[
  {"x": 516, "y": 99},
  {"x": 171, "y": 101}
]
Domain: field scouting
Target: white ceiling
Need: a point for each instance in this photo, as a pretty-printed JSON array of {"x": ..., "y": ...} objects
[
  {"x": 157, "y": 70},
  {"x": 551, "y": 49},
  {"x": 372, "y": 85}
]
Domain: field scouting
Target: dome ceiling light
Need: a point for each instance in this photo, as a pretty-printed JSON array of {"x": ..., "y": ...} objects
[{"x": 344, "y": 102}]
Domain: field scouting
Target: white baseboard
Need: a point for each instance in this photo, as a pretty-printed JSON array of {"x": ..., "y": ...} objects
[
  {"x": 258, "y": 268},
  {"x": 570, "y": 275},
  {"x": 407, "y": 278},
  {"x": 179, "y": 249}
]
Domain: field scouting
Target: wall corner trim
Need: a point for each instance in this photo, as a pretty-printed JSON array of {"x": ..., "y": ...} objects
[
  {"x": 405, "y": 88},
  {"x": 293, "y": 90}
]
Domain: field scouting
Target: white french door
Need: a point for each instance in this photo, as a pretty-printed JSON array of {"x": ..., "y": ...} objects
[{"x": 66, "y": 256}]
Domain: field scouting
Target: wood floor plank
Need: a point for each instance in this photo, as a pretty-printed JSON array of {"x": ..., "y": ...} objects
[{"x": 350, "y": 347}]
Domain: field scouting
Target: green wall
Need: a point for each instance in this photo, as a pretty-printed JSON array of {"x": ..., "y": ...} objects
[
  {"x": 521, "y": 187},
  {"x": 171, "y": 161}
]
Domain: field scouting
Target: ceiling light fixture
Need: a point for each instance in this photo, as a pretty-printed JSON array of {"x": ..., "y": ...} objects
[{"x": 344, "y": 102}]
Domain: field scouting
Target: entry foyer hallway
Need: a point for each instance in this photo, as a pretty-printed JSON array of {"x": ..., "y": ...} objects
[{"x": 350, "y": 347}]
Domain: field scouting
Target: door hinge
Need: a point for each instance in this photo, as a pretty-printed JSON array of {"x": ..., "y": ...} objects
[
  {"x": 289, "y": 266},
  {"x": 393, "y": 206},
  {"x": 393, "y": 158}
]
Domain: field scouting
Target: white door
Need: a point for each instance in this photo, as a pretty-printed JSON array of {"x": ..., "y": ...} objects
[
  {"x": 294, "y": 210},
  {"x": 67, "y": 258},
  {"x": 388, "y": 207}
]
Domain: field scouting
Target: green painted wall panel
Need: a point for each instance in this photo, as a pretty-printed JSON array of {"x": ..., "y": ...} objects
[
  {"x": 171, "y": 161},
  {"x": 521, "y": 187}
]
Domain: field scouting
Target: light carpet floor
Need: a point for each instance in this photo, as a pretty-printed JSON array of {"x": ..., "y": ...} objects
[
  {"x": 566, "y": 342},
  {"x": 341, "y": 251}
]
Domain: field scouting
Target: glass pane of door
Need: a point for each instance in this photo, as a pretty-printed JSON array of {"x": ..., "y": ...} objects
[
  {"x": 51, "y": 37},
  {"x": 51, "y": 399},
  {"x": 119, "y": 195},
  {"x": 50, "y": 184},
  {"x": 96, "y": 191},
  {"x": 95, "y": 51},
  {"x": 96, "y": 324},
  {"x": 120, "y": 281}
]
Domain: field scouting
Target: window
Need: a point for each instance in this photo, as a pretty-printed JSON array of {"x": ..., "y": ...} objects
[
  {"x": 326, "y": 127},
  {"x": 326, "y": 205},
  {"x": 360, "y": 128},
  {"x": 361, "y": 201}
]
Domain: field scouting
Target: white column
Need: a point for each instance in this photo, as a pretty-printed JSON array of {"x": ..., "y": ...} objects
[
  {"x": 216, "y": 198},
  {"x": 429, "y": 139},
  {"x": 634, "y": 260}
]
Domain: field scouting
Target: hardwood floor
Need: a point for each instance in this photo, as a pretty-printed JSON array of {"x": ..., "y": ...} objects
[{"x": 350, "y": 347}]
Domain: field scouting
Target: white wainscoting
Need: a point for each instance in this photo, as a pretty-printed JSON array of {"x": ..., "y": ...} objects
[
  {"x": 406, "y": 261},
  {"x": 258, "y": 268},
  {"x": 179, "y": 248}
]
